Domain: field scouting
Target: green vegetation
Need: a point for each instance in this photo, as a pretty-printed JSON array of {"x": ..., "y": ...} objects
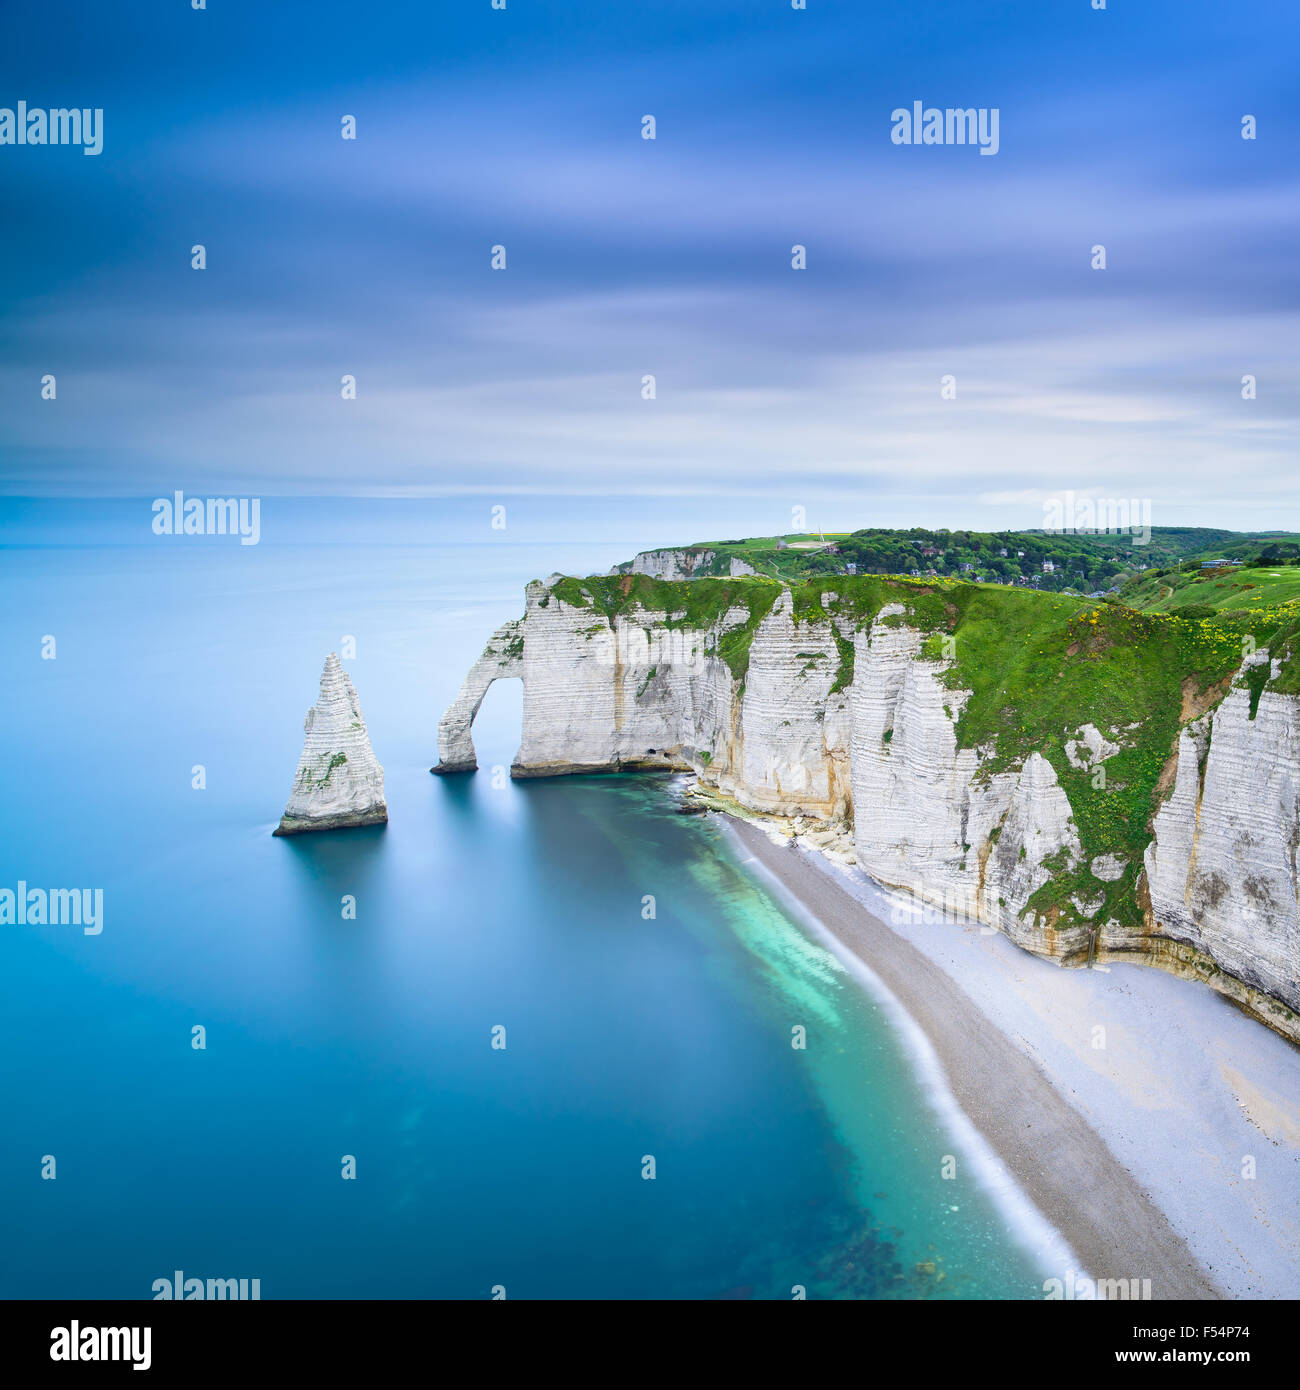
[
  {"x": 844, "y": 672},
  {"x": 336, "y": 761},
  {"x": 1256, "y": 680},
  {"x": 1209, "y": 591},
  {"x": 1082, "y": 562},
  {"x": 1259, "y": 601},
  {"x": 1038, "y": 666}
]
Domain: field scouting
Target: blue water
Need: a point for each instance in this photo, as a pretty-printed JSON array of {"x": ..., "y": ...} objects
[{"x": 480, "y": 904}]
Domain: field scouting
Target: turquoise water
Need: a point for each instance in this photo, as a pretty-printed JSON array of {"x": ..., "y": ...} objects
[{"x": 481, "y": 904}]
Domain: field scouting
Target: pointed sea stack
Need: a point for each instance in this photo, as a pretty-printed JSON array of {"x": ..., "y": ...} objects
[{"x": 339, "y": 781}]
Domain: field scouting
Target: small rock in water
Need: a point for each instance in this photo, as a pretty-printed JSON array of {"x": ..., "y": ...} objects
[{"x": 339, "y": 782}]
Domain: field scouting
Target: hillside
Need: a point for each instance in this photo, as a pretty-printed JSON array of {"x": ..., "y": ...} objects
[
  {"x": 1217, "y": 589},
  {"x": 1086, "y": 563}
]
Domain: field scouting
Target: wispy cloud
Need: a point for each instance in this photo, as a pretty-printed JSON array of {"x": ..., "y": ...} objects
[{"x": 670, "y": 258}]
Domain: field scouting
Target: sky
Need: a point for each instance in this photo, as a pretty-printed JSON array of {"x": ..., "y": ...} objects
[{"x": 775, "y": 388}]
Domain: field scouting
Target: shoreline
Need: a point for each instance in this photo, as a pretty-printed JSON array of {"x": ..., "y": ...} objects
[{"x": 1060, "y": 1163}]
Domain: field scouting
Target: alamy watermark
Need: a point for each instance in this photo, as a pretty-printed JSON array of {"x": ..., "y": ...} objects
[
  {"x": 951, "y": 125},
  {"x": 1080, "y": 1286},
  {"x": 54, "y": 907},
  {"x": 24, "y": 125},
  {"x": 1071, "y": 515},
  {"x": 957, "y": 905},
  {"x": 194, "y": 1289},
  {"x": 179, "y": 515},
  {"x": 648, "y": 651},
  {"x": 77, "y": 1343}
]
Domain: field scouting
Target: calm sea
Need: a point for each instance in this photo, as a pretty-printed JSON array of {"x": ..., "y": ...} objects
[{"x": 483, "y": 905}]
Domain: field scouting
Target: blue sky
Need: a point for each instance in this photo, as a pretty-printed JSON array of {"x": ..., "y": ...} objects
[{"x": 671, "y": 257}]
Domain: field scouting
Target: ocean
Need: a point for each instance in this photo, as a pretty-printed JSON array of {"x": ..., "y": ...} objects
[{"x": 486, "y": 909}]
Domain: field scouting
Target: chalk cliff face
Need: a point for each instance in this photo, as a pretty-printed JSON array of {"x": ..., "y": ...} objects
[
  {"x": 1224, "y": 865},
  {"x": 847, "y": 720},
  {"x": 339, "y": 783},
  {"x": 926, "y": 821},
  {"x": 671, "y": 564},
  {"x": 683, "y": 564}
]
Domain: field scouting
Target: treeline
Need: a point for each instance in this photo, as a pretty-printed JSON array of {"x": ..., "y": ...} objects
[
  {"x": 1248, "y": 555},
  {"x": 1088, "y": 562},
  {"x": 1038, "y": 559}
]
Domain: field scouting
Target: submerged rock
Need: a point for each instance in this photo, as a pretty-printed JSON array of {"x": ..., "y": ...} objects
[{"x": 339, "y": 781}]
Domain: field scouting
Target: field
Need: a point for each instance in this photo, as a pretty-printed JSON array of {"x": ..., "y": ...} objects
[{"x": 1263, "y": 587}]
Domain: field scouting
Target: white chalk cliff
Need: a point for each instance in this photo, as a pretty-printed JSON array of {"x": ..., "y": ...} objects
[
  {"x": 339, "y": 782},
  {"x": 1224, "y": 865},
  {"x": 847, "y": 724},
  {"x": 682, "y": 563}
]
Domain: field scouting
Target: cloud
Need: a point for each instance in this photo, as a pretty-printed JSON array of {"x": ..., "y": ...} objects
[{"x": 671, "y": 258}]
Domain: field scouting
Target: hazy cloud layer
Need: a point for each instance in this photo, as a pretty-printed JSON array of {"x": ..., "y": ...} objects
[{"x": 670, "y": 257}]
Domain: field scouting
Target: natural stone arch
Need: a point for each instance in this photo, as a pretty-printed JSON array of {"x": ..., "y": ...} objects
[{"x": 502, "y": 659}]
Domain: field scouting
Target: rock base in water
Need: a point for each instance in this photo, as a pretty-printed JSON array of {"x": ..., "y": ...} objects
[
  {"x": 292, "y": 825},
  {"x": 448, "y": 769}
]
